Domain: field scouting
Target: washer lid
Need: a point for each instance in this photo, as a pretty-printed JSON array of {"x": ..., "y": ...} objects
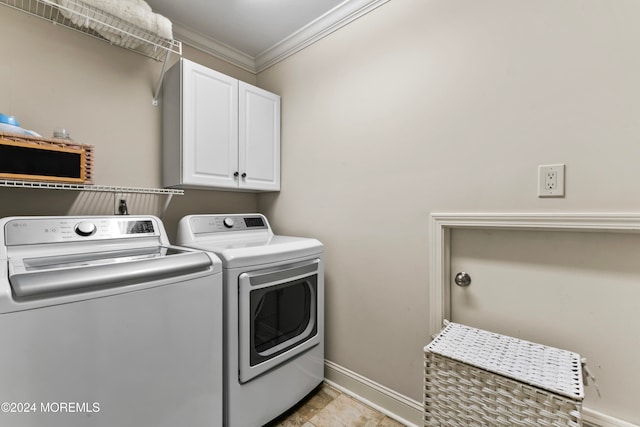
[
  {"x": 259, "y": 250},
  {"x": 73, "y": 273}
]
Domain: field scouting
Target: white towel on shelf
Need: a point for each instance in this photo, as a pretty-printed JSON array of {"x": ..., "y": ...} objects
[{"x": 137, "y": 13}]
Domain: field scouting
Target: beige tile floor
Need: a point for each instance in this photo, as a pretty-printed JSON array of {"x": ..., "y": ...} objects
[{"x": 328, "y": 407}]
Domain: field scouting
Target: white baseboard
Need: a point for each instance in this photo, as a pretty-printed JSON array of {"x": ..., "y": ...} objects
[
  {"x": 394, "y": 405},
  {"x": 597, "y": 419},
  {"x": 410, "y": 412}
]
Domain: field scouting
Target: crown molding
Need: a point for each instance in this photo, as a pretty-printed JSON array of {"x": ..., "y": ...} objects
[
  {"x": 341, "y": 15},
  {"x": 215, "y": 48}
]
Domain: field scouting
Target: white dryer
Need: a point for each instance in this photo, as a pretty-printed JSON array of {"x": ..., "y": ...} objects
[
  {"x": 103, "y": 323},
  {"x": 274, "y": 313}
]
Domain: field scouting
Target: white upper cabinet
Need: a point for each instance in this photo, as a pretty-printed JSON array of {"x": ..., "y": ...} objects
[
  {"x": 259, "y": 138},
  {"x": 209, "y": 127},
  {"x": 218, "y": 132}
]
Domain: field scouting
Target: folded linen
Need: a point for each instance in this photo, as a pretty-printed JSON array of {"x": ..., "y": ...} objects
[{"x": 112, "y": 19}]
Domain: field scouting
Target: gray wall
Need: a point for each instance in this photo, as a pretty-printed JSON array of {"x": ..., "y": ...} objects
[
  {"x": 102, "y": 94},
  {"x": 436, "y": 106},
  {"x": 419, "y": 106}
]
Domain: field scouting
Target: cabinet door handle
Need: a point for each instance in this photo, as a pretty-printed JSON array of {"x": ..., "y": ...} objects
[
  {"x": 244, "y": 175},
  {"x": 236, "y": 173}
]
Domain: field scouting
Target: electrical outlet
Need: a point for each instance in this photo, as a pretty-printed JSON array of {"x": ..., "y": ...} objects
[{"x": 551, "y": 180}]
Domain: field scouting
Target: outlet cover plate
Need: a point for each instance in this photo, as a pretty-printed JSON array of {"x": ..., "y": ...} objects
[{"x": 551, "y": 180}]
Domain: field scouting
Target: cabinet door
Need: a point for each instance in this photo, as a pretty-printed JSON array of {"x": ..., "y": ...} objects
[
  {"x": 259, "y": 138},
  {"x": 210, "y": 127}
]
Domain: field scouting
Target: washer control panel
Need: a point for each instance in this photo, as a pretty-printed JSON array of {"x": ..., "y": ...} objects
[
  {"x": 225, "y": 223},
  {"x": 25, "y": 231}
]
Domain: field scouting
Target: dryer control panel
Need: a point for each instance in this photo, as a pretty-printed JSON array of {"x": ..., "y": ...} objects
[{"x": 201, "y": 224}]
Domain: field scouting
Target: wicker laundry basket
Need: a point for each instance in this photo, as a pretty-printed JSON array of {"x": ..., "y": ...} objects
[{"x": 479, "y": 378}]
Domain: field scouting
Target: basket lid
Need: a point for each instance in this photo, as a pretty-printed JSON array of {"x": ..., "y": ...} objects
[{"x": 552, "y": 369}]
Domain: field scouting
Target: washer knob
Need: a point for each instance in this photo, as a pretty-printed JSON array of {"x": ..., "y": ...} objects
[
  {"x": 85, "y": 228},
  {"x": 228, "y": 222}
]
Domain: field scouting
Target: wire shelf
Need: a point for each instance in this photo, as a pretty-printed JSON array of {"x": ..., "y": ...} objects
[
  {"x": 82, "y": 187},
  {"x": 81, "y": 17}
]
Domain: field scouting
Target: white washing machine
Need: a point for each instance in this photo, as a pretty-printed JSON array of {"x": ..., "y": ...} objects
[
  {"x": 274, "y": 313},
  {"x": 103, "y": 323}
]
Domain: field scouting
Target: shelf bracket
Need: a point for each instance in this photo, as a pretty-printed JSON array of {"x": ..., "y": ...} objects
[
  {"x": 148, "y": 43},
  {"x": 156, "y": 94}
]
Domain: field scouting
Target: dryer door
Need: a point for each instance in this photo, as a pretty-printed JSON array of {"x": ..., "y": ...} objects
[{"x": 278, "y": 311}]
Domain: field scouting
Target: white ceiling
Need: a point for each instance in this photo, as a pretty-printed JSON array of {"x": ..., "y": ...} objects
[{"x": 255, "y": 34}]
